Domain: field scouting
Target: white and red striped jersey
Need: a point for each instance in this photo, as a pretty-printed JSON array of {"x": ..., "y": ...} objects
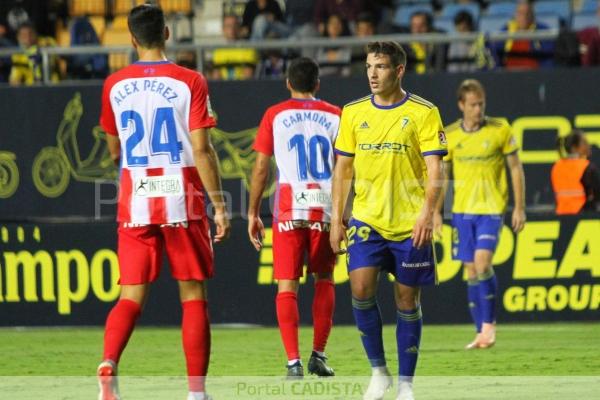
[
  {"x": 300, "y": 133},
  {"x": 153, "y": 107}
]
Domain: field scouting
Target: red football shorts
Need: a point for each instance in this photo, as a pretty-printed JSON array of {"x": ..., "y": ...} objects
[
  {"x": 189, "y": 250},
  {"x": 297, "y": 241}
]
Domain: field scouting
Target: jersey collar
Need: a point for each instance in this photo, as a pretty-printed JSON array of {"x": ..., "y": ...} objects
[{"x": 398, "y": 104}]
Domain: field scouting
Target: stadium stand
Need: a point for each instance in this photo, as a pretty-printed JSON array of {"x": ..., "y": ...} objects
[
  {"x": 403, "y": 13},
  {"x": 451, "y": 9},
  {"x": 584, "y": 20},
  {"x": 501, "y": 8}
]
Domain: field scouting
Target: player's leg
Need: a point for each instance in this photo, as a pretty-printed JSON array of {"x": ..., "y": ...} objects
[
  {"x": 463, "y": 249},
  {"x": 474, "y": 303},
  {"x": 488, "y": 288},
  {"x": 487, "y": 236},
  {"x": 367, "y": 255},
  {"x": 139, "y": 252},
  {"x": 414, "y": 268},
  {"x": 321, "y": 261},
  {"x": 190, "y": 256},
  {"x": 288, "y": 256}
]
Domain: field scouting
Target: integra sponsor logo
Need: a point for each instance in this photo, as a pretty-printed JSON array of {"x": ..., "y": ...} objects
[{"x": 393, "y": 147}]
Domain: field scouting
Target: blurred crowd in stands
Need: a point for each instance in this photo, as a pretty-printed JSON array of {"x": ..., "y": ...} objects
[{"x": 31, "y": 24}]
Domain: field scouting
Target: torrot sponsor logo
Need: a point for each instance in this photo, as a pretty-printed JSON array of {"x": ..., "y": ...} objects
[
  {"x": 67, "y": 276},
  {"x": 384, "y": 147}
]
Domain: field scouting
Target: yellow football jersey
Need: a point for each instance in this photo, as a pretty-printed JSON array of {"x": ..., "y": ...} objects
[
  {"x": 388, "y": 144},
  {"x": 478, "y": 166}
]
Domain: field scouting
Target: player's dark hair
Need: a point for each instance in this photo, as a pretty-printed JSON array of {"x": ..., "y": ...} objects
[
  {"x": 464, "y": 17},
  {"x": 469, "y": 86},
  {"x": 566, "y": 144},
  {"x": 303, "y": 75},
  {"x": 391, "y": 49},
  {"x": 366, "y": 17},
  {"x": 26, "y": 25},
  {"x": 147, "y": 25}
]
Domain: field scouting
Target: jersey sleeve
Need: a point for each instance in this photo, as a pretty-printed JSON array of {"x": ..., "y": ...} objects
[
  {"x": 345, "y": 142},
  {"x": 432, "y": 138},
  {"x": 107, "y": 116},
  {"x": 201, "y": 115},
  {"x": 264, "y": 137},
  {"x": 510, "y": 143}
]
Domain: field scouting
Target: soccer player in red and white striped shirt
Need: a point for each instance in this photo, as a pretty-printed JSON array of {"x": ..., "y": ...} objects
[
  {"x": 300, "y": 133},
  {"x": 156, "y": 116}
]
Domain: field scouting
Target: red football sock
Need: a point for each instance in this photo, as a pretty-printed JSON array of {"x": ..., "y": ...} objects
[
  {"x": 119, "y": 326},
  {"x": 322, "y": 309},
  {"x": 195, "y": 331},
  {"x": 288, "y": 319}
]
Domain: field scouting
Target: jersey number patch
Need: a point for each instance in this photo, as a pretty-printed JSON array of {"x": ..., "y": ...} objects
[
  {"x": 316, "y": 161},
  {"x": 163, "y": 139}
]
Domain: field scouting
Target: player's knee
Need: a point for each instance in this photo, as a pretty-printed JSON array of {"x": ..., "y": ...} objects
[
  {"x": 287, "y": 285},
  {"x": 362, "y": 291},
  {"x": 406, "y": 303}
]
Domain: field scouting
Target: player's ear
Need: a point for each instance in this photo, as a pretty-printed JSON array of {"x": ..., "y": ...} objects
[
  {"x": 288, "y": 85},
  {"x": 317, "y": 86},
  {"x": 167, "y": 33},
  {"x": 134, "y": 42},
  {"x": 400, "y": 70}
]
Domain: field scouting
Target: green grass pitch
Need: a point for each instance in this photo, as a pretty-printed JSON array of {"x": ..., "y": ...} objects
[{"x": 530, "y": 361}]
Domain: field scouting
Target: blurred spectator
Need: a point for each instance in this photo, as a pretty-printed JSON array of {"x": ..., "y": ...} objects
[
  {"x": 91, "y": 66},
  {"x": 468, "y": 56},
  {"x": 424, "y": 57},
  {"x": 259, "y": 16},
  {"x": 589, "y": 39},
  {"x": 575, "y": 180},
  {"x": 4, "y": 61},
  {"x": 233, "y": 64},
  {"x": 27, "y": 64},
  {"x": 347, "y": 9},
  {"x": 272, "y": 66},
  {"x": 299, "y": 16},
  {"x": 526, "y": 54},
  {"x": 335, "y": 60},
  {"x": 186, "y": 58},
  {"x": 42, "y": 14},
  {"x": 365, "y": 27}
]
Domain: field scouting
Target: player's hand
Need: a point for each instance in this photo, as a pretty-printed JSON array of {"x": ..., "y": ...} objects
[
  {"x": 336, "y": 236},
  {"x": 256, "y": 231},
  {"x": 423, "y": 230},
  {"x": 438, "y": 223},
  {"x": 518, "y": 220},
  {"x": 223, "y": 226}
]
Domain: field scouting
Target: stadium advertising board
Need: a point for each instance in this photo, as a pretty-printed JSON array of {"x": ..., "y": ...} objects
[
  {"x": 52, "y": 151},
  {"x": 66, "y": 274}
]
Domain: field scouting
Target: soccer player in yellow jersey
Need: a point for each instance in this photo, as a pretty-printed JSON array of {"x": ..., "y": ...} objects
[
  {"x": 477, "y": 149},
  {"x": 392, "y": 142}
]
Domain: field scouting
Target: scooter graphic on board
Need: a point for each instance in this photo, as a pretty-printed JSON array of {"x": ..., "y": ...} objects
[
  {"x": 54, "y": 166},
  {"x": 9, "y": 174}
]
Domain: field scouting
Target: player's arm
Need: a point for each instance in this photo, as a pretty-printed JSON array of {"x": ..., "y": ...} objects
[
  {"x": 518, "y": 185},
  {"x": 342, "y": 181},
  {"x": 114, "y": 148},
  {"x": 438, "y": 218},
  {"x": 260, "y": 175},
  {"x": 207, "y": 164},
  {"x": 423, "y": 229}
]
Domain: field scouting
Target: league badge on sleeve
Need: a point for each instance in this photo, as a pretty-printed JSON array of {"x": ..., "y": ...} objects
[{"x": 442, "y": 137}]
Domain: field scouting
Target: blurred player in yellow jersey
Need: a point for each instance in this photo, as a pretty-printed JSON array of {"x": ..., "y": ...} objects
[
  {"x": 478, "y": 148},
  {"x": 392, "y": 142}
]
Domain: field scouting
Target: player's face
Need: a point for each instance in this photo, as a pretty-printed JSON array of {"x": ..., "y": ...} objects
[
  {"x": 384, "y": 78},
  {"x": 473, "y": 106}
]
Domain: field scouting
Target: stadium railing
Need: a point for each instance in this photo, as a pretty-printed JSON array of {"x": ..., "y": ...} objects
[{"x": 47, "y": 53}]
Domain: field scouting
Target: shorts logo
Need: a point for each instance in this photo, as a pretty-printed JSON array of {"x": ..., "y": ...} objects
[
  {"x": 486, "y": 237},
  {"x": 424, "y": 264},
  {"x": 442, "y": 137}
]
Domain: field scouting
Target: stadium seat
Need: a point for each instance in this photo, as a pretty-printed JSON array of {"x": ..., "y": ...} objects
[
  {"x": 502, "y": 8},
  {"x": 99, "y": 24},
  {"x": 451, "y": 9},
  {"x": 78, "y": 8},
  {"x": 116, "y": 37},
  {"x": 120, "y": 23},
  {"x": 176, "y": 6},
  {"x": 589, "y": 6},
  {"x": 552, "y": 21},
  {"x": 560, "y": 8},
  {"x": 493, "y": 23},
  {"x": 582, "y": 21},
  {"x": 403, "y": 13},
  {"x": 123, "y": 6},
  {"x": 444, "y": 24}
]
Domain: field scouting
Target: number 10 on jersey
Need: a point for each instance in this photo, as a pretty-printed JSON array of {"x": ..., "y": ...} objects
[{"x": 315, "y": 160}]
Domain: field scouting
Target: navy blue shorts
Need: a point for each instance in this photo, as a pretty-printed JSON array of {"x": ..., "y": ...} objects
[
  {"x": 474, "y": 232},
  {"x": 409, "y": 265}
]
